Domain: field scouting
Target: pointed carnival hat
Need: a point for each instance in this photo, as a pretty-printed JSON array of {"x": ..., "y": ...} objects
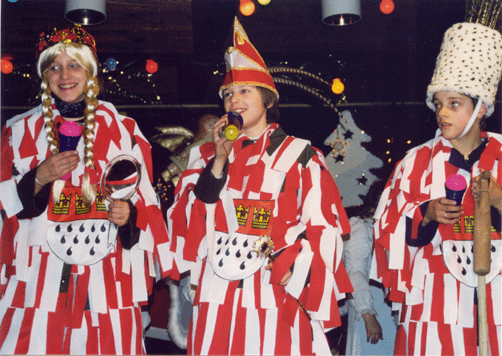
[
  {"x": 244, "y": 64},
  {"x": 470, "y": 58}
]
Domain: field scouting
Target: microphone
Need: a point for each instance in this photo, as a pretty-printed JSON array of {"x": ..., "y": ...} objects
[
  {"x": 69, "y": 135},
  {"x": 455, "y": 187},
  {"x": 231, "y": 130}
]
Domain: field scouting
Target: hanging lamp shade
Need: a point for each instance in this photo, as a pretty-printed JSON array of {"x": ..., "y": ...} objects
[
  {"x": 86, "y": 12},
  {"x": 341, "y": 12}
]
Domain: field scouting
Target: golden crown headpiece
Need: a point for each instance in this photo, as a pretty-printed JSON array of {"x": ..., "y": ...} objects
[{"x": 75, "y": 34}]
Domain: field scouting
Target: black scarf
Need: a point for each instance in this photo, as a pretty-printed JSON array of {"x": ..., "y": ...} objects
[{"x": 70, "y": 111}]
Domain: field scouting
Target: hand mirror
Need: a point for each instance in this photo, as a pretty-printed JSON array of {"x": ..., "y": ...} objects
[{"x": 121, "y": 178}]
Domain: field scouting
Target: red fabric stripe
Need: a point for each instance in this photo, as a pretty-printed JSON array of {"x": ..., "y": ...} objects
[
  {"x": 400, "y": 343},
  {"x": 5, "y": 326},
  {"x": 41, "y": 276},
  {"x": 262, "y": 315},
  {"x": 126, "y": 330},
  {"x": 110, "y": 286},
  {"x": 305, "y": 335},
  {"x": 198, "y": 332},
  {"x": 423, "y": 342},
  {"x": 257, "y": 289},
  {"x": 147, "y": 155},
  {"x": 126, "y": 287},
  {"x": 7, "y": 156},
  {"x": 412, "y": 337},
  {"x": 283, "y": 334},
  {"x": 9, "y": 230},
  {"x": 220, "y": 343},
  {"x": 55, "y": 330},
  {"x": 139, "y": 332},
  {"x": 283, "y": 263},
  {"x": 19, "y": 295},
  {"x": 28, "y": 145},
  {"x": 92, "y": 344},
  {"x": 239, "y": 337},
  {"x": 106, "y": 341},
  {"x": 142, "y": 217},
  {"x": 196, "y": 231},
  {"x": 437, "y": 313},
  {"x": 23, "y": 341},
  {"x": 444, "y": 331},
  {"x": 80, "y": 299}
]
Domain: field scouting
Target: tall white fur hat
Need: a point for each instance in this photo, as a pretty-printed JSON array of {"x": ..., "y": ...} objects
[{"x": 469, "y": 62}]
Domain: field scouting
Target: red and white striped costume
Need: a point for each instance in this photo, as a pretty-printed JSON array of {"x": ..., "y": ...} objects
[
  {"x": 438, "y": 312},
  {"x": 35, "y": 317},
  {"x": 256, "y": 315}
]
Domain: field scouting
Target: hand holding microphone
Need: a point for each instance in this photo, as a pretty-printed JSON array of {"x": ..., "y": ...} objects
[
  {"x": 232, "y": 129},
  {"x": 455, "y": 187},
  {"x": 69, "y": 135}
]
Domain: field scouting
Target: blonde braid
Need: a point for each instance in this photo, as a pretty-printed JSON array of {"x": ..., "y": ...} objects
[
  {"x": 92, "y": 91},
  {"x": 47, "y": 111},
  {"x": 58, "y": 185}
]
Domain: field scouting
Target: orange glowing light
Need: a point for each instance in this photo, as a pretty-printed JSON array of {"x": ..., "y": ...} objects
[
  {"x": 6, "y": 66},
  {"x": 337, "y": 87},
  {"x": 246, "y": 7}
]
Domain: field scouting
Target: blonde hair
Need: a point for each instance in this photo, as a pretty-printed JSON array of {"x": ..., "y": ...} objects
[{"x": 84, "y": 56}]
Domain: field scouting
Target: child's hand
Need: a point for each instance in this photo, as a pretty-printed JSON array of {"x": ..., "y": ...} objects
[
  {"x": 118, "y": 212},
  {"x": 444, "y": 211}
]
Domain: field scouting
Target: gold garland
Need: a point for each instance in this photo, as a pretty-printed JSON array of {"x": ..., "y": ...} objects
[{"x": 484, "y": 12}]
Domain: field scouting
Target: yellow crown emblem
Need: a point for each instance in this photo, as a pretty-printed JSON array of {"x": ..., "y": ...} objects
[
  {"x": 63, "y": 206},
  {"x": 80, "y": 207},
  {"x": 260, "y": 218},
  {"x": 100, "y": 202},
  {"x": 242, "y": 214}
]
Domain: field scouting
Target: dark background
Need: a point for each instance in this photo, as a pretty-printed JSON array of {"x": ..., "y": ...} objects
[{"x": 385, "y": 62}]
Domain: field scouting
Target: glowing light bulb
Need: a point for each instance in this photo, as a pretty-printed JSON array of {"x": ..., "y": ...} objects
[
  {"x": 264, "y": 2},
  {"x": 151, "y": 66},
  {"x": 386, "y": 6},
  {"x": 246, "y": 7},
  {"x": 6, "y": 66},
  {"x": 337, "y": 87}
]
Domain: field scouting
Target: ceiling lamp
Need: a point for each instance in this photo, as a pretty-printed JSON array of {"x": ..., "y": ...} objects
[
  {"x": 341, "y": 12},
  {"x": 86, "y": 12}
]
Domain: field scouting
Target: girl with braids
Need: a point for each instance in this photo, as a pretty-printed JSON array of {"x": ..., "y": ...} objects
[
  {"x": 239, "y": 200},
  {"x": 69, "y": 284}
]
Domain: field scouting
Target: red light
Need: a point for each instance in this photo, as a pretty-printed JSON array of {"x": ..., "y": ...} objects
[
  {"x": 7, "y": 66},
  {"x": 151, "y": 66},
  {"x": 386, "y": 6}
]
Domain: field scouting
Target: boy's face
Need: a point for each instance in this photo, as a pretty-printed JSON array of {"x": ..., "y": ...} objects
[
  {"x": 453, "y": 111},
  {"x": 247, "y": 100}
]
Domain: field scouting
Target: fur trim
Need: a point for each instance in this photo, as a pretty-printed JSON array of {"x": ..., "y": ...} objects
[{"x": 470, "y": 63}]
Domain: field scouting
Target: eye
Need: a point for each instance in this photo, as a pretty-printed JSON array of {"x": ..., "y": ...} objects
[
  {"x": 55, "y": 68},
  {"x": 74, "y": 65},
  {"x": 227, "y": 94}
]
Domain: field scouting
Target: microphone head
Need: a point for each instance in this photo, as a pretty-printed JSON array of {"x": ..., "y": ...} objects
[
  {"x": 455, "y": 187},
  {"x": 70, "y": 128},
  {"x": 69, "y": 135},
  {"x": 456, "y": 182}
]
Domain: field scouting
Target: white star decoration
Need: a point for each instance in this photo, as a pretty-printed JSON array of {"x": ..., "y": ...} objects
[{"x": 349, "y": 163}]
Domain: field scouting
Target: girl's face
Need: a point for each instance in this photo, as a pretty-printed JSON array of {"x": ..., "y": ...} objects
[
  {"x": 67, "y": 79},
  {"x": 453, "y": 111},
  {"x": 247, "y": 100}
]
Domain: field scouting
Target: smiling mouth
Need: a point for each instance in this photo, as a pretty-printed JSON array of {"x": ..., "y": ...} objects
[{"x": 67, "y": 86}]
